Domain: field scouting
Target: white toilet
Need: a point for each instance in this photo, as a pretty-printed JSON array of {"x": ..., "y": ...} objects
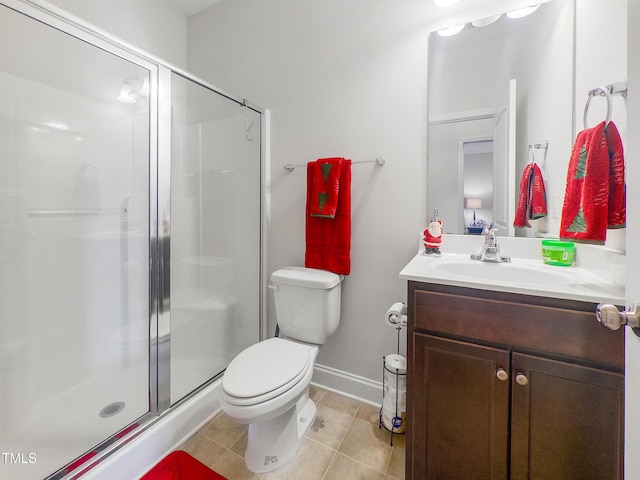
[{"x": 267, "y": 385}]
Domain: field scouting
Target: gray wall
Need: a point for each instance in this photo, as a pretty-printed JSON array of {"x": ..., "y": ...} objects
[{"x": 341, "y": 79}]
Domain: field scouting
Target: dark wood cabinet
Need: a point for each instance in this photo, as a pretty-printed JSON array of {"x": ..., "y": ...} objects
[
  {"x": 506, "y": 386},
  {"x": 567, "y": 421},
  {"x": 463, "y": 410}
]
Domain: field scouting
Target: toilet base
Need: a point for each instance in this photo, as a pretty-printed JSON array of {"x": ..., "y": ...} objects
[{"x": 273, "y": 442}]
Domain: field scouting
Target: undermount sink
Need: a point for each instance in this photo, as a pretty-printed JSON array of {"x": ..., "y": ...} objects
[{"x": 503, "y": 272}]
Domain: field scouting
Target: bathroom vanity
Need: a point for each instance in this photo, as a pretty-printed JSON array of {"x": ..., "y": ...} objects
[{"x": 507, "y": 384}]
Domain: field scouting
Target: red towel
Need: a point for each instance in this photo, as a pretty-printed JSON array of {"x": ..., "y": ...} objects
[
  {"x": 532, "y": 203},
  {"x": 329, "y": 239},
  {"x": 180, "y": 465},
  {"x": 594, "y": 198},
  {"x": 326, "y": 185},
  {"x": 617, "y": 207}
]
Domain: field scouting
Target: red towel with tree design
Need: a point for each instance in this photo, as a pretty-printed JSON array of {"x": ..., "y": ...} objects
[
  {"x": 532, "y": 202},
  {"x": 595, "y": 194},
  {"x": 328, "y": 238},
  {"x": 325, "y": 187}
]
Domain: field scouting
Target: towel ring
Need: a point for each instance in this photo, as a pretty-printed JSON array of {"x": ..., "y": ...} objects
[{"x": 601, "y": 91}]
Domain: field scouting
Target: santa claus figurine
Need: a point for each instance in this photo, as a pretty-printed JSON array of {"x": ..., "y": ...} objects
[{"x": 433, "y": 235}]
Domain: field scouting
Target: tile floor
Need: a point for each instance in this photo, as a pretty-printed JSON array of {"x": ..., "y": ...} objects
[{"x": 344, "y": 442}]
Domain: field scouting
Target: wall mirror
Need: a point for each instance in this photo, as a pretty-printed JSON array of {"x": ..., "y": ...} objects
[{"x": 496, "y": 88}]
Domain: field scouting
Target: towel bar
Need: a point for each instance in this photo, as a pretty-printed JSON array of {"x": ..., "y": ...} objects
[{"x": 378, "y": 161}]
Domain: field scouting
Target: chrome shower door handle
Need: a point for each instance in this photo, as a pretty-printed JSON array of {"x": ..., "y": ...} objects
[{"x": 609, "y": 316}]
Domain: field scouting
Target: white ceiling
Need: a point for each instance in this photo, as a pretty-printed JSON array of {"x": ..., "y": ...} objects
[{"x": 191, "y": 7}]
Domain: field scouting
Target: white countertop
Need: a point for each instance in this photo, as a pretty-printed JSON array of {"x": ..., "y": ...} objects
[{"x": 529, "y": 276}]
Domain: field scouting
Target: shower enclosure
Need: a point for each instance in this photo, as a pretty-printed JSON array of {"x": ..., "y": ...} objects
[{"x": 130, "y": 240}]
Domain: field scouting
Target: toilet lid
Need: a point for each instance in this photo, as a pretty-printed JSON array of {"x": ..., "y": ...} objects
[{"x": 264, "y": 367}]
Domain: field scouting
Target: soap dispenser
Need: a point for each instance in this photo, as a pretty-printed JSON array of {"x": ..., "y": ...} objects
[{"x": 433, "y": 235}]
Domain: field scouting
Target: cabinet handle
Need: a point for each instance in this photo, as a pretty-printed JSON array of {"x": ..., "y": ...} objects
[
  {"x": 522, "y": 379},
  {"x": 502, "y": 374}
]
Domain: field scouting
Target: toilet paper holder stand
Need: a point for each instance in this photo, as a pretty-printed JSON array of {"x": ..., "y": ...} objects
[{"x": 396, "y": 317}]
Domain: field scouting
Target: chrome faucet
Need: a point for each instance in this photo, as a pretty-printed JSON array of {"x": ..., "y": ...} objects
[{"x": 490, "y": 250}]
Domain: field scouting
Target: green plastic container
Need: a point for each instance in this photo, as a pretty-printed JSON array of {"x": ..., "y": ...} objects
[{"x": 557, "y": 252}]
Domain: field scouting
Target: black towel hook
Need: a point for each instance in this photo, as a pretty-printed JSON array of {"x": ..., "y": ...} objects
[{"x": 603, "y": 92}]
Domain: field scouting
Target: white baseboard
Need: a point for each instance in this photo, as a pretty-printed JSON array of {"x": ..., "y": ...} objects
[{"x": 345, "y": 383}]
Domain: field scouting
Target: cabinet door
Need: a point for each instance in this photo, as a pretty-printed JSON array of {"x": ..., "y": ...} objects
[
  {"x": 567, "y": 421},
  {"x": 460, "y": 410}
]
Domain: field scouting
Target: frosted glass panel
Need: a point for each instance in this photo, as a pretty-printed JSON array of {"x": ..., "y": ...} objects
[
  {"x": 74, "y": 236},
  {"x": 215, "y": 233}
]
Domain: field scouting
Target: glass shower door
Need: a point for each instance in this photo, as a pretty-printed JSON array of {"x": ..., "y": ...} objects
[
  {"x": 215, "y": 233},
  {"x": 74, "y": 246}
]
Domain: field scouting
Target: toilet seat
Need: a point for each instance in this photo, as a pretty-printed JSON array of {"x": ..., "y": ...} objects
[{"x": 265, "y": 370}]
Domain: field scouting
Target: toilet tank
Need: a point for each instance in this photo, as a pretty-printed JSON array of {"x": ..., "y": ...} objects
[{"x": 307, "y": 303}]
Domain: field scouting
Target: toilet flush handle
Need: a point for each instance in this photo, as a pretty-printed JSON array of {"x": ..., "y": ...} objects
[{"x": 273, "y": 287}]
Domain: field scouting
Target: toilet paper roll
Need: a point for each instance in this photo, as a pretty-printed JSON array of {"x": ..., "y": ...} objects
[{"x": 396, "y": 316}]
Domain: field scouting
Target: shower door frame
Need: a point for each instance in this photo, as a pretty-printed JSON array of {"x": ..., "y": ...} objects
[{"x": 160, "y": 125}]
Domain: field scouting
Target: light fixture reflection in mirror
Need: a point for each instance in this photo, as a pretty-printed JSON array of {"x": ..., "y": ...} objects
[
  {"x": 451, "y": 31},
  {"x": 485, "y": 22}
]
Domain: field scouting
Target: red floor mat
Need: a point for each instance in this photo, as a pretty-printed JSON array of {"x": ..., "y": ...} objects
[{"x": 180, "y": 465}]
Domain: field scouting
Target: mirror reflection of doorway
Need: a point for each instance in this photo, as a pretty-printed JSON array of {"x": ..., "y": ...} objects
[{"x": 477, "y": 184}]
